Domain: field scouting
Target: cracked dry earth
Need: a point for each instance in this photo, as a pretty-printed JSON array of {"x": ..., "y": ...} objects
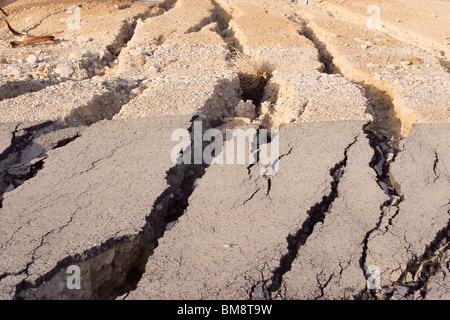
[{"x": 362, "y": 191}]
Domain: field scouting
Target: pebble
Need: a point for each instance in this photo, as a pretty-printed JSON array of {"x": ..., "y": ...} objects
[
  {"x": 136, "y": 91},
  {"x": 371, "y": 65},
  {"x": 377, "y": 76},
  {"x": 32, "y": 58},
  {"x": 392, "y": 67},
  {"x": 82, "y": 39},
  {"x": 153, "y": 70},
  {"x": 405, "y": 63},
  {"x": 86, "y": 53},
  {"x": 15, "y": 72},
  {"x": 104, "y": 54},
  {"x": 9, "y": 188},
  {"x": 190, "y": 173},
  {"x": 360, "y": 40},
  {"x": 46, "y": 58},
  {"x": 64, "y": 71},
  {"x": 132, "y": 82}
]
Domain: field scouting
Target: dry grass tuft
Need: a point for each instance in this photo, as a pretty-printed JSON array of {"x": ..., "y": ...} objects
[{"x": 253, "y": 71}]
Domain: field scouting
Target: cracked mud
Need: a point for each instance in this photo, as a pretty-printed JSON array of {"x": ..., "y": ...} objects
[{"x": 357, "y": 209}]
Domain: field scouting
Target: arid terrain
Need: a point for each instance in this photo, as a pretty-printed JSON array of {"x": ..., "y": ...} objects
[{"x": 351, "y": 98}]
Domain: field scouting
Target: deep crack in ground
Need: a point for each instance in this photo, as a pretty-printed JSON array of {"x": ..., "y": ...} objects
[{"x": 316, "y": 214}]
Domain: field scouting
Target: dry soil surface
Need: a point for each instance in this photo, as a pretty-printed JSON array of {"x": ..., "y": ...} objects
[{"x": 340, "y": 192}]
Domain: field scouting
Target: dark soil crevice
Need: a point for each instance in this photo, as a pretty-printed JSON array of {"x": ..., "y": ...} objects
[
  {"x": 421, "y": 269},
  {"x": 316, "y": 214},
  {"x": 325, "y": 57},
  {"x": 131, "y": 252},
  {"x": 13, "y": 171}
]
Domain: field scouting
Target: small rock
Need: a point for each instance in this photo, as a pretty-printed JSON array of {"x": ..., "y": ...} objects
[
  {"x": 134, "y": 52},
  {"x": 86, "y": 53},
  {"x": 32, "y": 58},
  {"x": 169, "y": 196},
  {"x": 3, "y": 61},
  {"x": 136, "y": 91},
  {"x": 97, "y": 79},
  {"x": 46, "y": 58},
  {"x": 64, "y": 71},
  {"x": 104, "y": 54},
  {"x": 170, "y": 225},
  {"x": 405, "y": 63},
  {"x": 384, "y": 186},
  {"x": 377, "y": 76},
  {"x": 392, "y": 67},
  {"x": 74, "y": 56},
  {"x": 9, "y": 188},
  {"x": 360, "y": 40},
  {"x": 371, "y": 65},
  {"x": 15, "y": 73},
  {"x": 153, "y": 70},
  {"x": 398, "y": 20},
  {"x": 245, "y": 109},
  {"x": 132, "y": 82},
  {"x": 190, "y": 173},
  {"x": 83, "y": 39}
]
